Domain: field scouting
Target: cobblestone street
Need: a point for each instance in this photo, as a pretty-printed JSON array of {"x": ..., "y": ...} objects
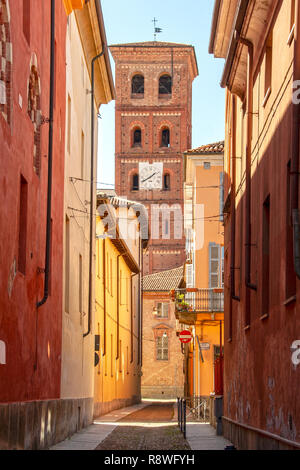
[
  {"x": 145, "y": 426},
  {"x": 151, "y": 428}
]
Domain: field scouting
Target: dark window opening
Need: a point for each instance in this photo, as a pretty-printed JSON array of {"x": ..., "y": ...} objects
[
  {"x": 23, "y": 225},
  {"x": 165, "y": 138},
  {"x": 137, "y": 138},
  {"x": 165, "y": 85},
  {"x": 266, "y": 257},
  {"x": 167, "y": 182},
  {"x": 290, "y": 276},
  {"x": 137, "y": 85},
  {"x": 135, "y": 182}
]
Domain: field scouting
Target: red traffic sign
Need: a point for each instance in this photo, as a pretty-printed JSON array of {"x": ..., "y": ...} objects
[{"x": 185, "y": 336}]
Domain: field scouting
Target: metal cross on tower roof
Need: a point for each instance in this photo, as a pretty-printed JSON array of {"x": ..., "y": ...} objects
[{"x": 156, "y": 30}]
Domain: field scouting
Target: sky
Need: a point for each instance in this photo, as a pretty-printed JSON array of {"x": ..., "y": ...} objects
[{"x": 182, "y": 21}]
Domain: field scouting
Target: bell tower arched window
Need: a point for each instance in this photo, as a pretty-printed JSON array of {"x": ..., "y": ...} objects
[
  {"x": 137, "y": 85},
  {"x": 165, "y": 85},
  {"x": 137, "y": 137},
  {"x": 165, "y": 137},
  {"x": 135, "y": 182},
  {"x": 167, "y": 182}
]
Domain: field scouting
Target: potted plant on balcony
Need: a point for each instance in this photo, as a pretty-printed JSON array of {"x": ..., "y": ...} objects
[{"x": 181, "y": 304}]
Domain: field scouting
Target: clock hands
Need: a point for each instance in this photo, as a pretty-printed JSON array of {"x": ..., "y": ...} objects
[{"x": 149, "y": 177}]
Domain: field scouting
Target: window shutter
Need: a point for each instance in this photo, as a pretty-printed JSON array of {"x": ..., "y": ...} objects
[
  {"x": 214, "y": 265},
  {"x": 189, "y": 275}
]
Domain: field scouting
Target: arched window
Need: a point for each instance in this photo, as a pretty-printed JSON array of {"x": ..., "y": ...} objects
[
  {"x": 165, "y": 85},
  {"x": 135, "y": 182},
  {"x": 167, "y": 182},
  {"x": 165, "y": 137},
  {"x": 5, "y": 61},
  {"x": 137, "y": 137},
  {"x": 137, "y": 85},
  {"x": 34, "y": 112}
]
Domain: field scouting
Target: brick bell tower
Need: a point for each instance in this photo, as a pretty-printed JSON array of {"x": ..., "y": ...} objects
[{"x": 153, "y": 129}]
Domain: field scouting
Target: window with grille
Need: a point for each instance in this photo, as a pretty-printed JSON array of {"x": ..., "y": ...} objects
[
  {"x": 162, "y": 348},
  {"x": 162, "y": 310},
  {"x": 165, "y": 85},
  {"x": 137, "y": 85}
]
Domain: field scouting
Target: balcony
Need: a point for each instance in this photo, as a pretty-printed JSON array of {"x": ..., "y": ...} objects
[{"x": 189, "y": 302}]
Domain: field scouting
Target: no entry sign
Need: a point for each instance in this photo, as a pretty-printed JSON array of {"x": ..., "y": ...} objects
[{"x": 185, "y": 336}]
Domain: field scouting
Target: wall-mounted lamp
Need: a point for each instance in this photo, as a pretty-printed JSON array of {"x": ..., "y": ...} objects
[{"x": 165, "y": 334}]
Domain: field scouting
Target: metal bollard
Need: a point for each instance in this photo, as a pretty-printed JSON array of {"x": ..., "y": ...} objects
[{"x": 184, "y": 419}]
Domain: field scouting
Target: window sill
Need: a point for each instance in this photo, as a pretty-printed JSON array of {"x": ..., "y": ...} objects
[
  {"x": 137, "y": 96},
  {"x": 264, "y": 317},
  {"x": 165, "y": 97},
  {"x": 290, "y": 300},
  {"x": 291, "y": 36},
  {"x": 246, "y": 328},
  {"x": 267, "y": 96}
]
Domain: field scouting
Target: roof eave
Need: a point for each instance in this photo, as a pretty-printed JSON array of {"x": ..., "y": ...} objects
[
  {"x": 237, "y": 28},
  {"x": 214, "y": 26}
]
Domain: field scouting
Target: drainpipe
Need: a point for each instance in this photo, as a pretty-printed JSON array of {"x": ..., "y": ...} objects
[
  {"x": 249, "y": 45},
  {"x": 50, "y": 159},
  {"x": 295, "y": 150},
  {"x": 92, "y": 190},
  {"x": 104, "y": 297}
]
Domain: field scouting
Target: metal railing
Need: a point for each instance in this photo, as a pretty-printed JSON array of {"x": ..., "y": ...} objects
[
  {"x": 181, "y": 413},
  {"x": 199, "y": 300},
  {"x": 191, "y": 409}
]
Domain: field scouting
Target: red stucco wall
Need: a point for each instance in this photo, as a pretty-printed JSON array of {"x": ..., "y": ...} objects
[{"x": 32, "y": 336}]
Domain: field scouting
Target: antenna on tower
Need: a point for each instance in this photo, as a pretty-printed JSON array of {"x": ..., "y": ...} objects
[{"x": 156, "y": 30}]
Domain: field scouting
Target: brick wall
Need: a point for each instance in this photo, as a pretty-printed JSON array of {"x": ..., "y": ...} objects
[
  {"x": 160, "y": 379},
  {"x": 152, "y": 112}
]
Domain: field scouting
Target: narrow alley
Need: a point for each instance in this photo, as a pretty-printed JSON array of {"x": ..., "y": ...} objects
[
  {"x": 147, "y": 426},
  {"x": 149, "y": 225}
]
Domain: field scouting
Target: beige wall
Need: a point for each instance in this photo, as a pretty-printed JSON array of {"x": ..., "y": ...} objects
[
  {"x": 161, "y": 378},
  {"x": 77, "y": 351}
]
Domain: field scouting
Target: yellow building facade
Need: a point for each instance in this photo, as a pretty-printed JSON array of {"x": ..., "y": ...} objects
[
  {"x": 200, "y": 306},
  {"x": 118, "y": 321}
]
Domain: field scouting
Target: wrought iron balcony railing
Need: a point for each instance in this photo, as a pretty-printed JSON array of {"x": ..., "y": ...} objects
[{"x": 199, "y": 300}]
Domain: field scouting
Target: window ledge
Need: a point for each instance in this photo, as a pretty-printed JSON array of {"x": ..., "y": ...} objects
[
  {"x": 247, "y": 327},
  {"x": 291, "y": 35},
  {"x": 290, "y": 300},
  {"x": 137, "y": 96},
  {"x": 264, "y": 317},
  {"x": 267, "y": 96}
]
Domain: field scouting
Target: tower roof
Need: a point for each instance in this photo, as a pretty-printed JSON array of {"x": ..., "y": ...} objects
[
  {"x": 152, "y": 44},
  {"x": 118, "y": 49}
]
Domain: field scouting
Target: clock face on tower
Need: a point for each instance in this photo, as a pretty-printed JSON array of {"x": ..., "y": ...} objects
[{"x": 150, "y": 175}]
